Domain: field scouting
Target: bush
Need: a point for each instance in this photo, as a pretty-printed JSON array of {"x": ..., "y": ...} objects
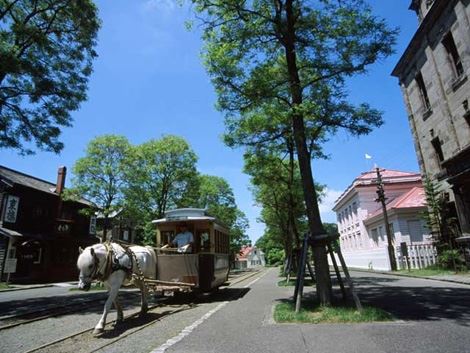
[{"x": 450, "y": 258}]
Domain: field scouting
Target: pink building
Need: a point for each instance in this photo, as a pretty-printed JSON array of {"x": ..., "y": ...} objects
[
  {"x": 249, "y": 257},
  {"x": 361, "y": 223}
]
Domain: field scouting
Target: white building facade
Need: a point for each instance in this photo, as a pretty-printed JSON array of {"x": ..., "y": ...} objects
[{"x": 361, "y": 223}]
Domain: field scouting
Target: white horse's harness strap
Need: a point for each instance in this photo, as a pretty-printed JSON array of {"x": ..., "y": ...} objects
[{"x": 112, "y": 263}]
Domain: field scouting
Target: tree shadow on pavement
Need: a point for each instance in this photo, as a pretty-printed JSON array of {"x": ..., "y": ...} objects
[{"x": 419, "y": 303}]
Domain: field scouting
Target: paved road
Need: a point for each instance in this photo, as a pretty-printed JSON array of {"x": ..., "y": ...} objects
[{"x": 431, "y": 317}]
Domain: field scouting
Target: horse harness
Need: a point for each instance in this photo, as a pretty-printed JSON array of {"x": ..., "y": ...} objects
[{"x": 113, "y": 263}]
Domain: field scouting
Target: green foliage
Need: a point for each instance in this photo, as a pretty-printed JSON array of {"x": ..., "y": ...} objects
[
  {"x": 441, "y": 221},
  {"x": 277, "y": 188},
  {"x": 215, "y": 194},
  {"x": 272, "y": 248},
  {"x": 451, "y": 259},
  {"x": 143, "y": 181},
  {"x": 314, "y": 314},
  {"x": 158, "y": 173},
  {"x": 46, "y": 54},
  {"x": 275, "y": 257},
  {"x": 247, "y": 56},
  {"x": 279, "y": 70},
  {"x": 99, "y": 175},
  {"x": 433, "y": 270}
]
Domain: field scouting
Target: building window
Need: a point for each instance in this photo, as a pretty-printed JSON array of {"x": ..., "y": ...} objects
[
  {"x": 429, "y": 3},
  {"x": 436, "y": 144},
  {"x": 375, "y": 235},
  {"x": 453, "y": 54},
  {"x": 422, "y": 91},
  {"x": 466, "y": 109}
]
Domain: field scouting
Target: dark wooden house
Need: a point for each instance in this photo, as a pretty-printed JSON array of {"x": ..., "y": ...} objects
[{"x": 39, "y": 231}]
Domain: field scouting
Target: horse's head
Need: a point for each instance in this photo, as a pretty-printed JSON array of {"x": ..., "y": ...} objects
[{"x": 88, "y": 264}]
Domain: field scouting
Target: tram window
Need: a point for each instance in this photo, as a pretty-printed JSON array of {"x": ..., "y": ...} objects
[
  {"x": 204, "y": 240},
  {"x": 217, "y": 241},
  {"x": 166, "y": 237}
]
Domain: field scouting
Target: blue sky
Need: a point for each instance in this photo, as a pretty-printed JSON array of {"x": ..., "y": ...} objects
[{"x": 149, "y": 81}]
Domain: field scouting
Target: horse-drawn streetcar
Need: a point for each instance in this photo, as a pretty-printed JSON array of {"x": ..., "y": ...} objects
[
  {"x": 205, "y": 266},
  {"x": 200, "y": 265}
]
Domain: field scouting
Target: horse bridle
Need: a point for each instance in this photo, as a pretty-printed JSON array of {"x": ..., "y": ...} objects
[{"x": 96, "y": 268}]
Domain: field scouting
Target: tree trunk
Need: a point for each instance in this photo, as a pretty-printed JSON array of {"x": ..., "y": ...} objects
[{"x": 322, "y": 270}]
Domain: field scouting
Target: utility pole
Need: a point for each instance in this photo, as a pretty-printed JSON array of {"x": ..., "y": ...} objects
[{"x": 381, "y": 198}]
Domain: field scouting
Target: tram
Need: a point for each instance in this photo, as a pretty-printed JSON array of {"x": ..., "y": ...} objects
[{"x": 206, "y": 266}]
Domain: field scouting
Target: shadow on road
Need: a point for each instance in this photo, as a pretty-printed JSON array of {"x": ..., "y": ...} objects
[
  {"x": 420, "y": 303},
  {"x": 412, "y": 303}
]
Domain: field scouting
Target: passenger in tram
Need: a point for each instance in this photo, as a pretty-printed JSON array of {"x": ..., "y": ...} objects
[{"x": 184, "y": 240}]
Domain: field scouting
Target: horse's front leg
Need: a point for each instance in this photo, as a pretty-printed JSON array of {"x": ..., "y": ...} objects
[{"x": 114, "y": 283}]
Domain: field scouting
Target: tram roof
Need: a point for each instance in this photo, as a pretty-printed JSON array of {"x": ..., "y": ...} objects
[{"x": 185, "y": 214}]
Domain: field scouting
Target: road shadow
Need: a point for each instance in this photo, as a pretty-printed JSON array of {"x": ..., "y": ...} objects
[
  {"x": 410, "y": 303},
  {"x": 86, "y": 302},
  {"x": 420, "y": 303},
  {"x": 223, "y": 294}
]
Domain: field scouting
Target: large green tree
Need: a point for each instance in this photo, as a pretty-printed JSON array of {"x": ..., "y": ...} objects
[
  {"x": 46, "y": 53},
  {"x": 159, "y": 174},
  {"x": 99, "y": 175},
  {"x": 295, "y": 55},
  {"x": 215, "y": 194}
]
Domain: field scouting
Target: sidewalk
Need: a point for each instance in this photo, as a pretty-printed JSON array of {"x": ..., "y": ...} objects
[
  {"x": 456, "y": 278},
  {"x": 16, "y": 287}
]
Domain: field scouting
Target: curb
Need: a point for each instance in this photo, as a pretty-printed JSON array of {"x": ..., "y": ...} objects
[
  {"x": 411, "y": 276},
  {"x": 25, "y": 288}
]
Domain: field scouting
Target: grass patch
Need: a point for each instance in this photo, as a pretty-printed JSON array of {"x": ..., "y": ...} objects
[
  {"x": 94, "y": 287},
  {"x": 315, "y": 314},
  {"x": 3, "y": 285},
  {"x": 433, "y": 270},
  {"x": 284, "y": 283}
]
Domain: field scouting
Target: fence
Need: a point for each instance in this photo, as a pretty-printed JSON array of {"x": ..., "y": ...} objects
[{"x": 419, "y": 256}]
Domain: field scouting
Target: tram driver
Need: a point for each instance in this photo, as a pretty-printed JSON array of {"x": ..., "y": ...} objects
[{"x": 184, "y": 240}]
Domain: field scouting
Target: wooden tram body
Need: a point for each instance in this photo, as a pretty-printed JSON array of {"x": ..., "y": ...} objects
[{"x": 206, "y": 267}]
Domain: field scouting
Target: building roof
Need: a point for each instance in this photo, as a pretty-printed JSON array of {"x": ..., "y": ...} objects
[
  {"x": 389, "y": 176},
  {"x": 245, "y": 251},
  {"x": 11, "y": 177},
  {"x": 436, "y": 10},
  {"x": 414, "y": 198},
  {"x": 14, "y": 177}
]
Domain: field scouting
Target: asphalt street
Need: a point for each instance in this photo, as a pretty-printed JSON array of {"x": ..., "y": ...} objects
[{"x": 431, "y": 316}]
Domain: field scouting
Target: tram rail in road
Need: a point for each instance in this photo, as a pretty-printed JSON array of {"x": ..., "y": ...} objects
[{"x": 60, "y": 344}]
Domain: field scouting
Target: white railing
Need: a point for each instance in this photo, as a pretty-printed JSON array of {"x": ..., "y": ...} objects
[{"x": 419, "y": 256}]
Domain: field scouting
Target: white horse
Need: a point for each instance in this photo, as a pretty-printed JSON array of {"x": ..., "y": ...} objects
[{"x": 115, "y": 266}]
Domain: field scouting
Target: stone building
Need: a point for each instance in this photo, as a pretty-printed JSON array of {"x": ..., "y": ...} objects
[{"x": 433, "y": 75}]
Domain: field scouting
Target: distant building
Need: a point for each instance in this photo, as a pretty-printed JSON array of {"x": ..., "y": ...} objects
[
  {"x": 120, "y": 228},
  {"x": 361, "y": 221},
  {"x": 433, "y": 75},
  {"x": 39, "y": 231},
  {"x": 249, "y": 257}
]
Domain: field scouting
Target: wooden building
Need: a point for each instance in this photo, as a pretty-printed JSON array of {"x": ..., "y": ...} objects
[{"x": 39, "y": 231}]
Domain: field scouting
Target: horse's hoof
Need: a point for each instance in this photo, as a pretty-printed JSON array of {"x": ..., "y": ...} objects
[{"x": 98, "y": 331}]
